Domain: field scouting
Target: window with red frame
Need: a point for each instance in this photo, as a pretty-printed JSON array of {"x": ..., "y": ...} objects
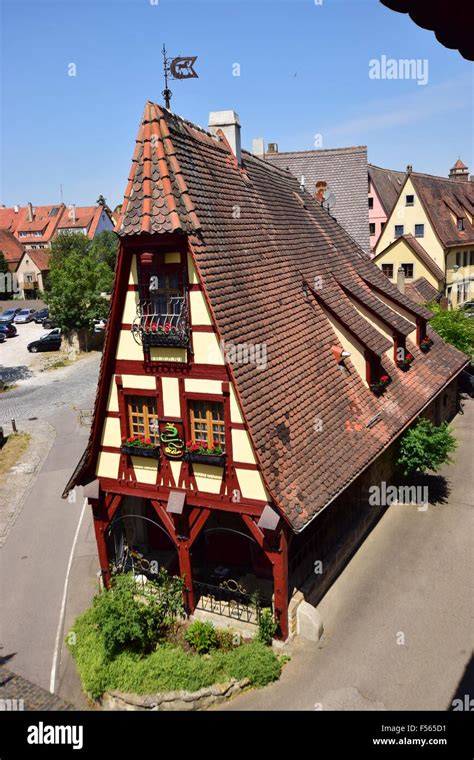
[{"x": 207, "y": 423}]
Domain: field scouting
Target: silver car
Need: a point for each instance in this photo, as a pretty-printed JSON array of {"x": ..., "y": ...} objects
[{"x": 25, "y": 315}]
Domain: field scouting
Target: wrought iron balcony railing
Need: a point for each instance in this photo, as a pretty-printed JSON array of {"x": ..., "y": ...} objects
[{"x": 155, "y": 327}]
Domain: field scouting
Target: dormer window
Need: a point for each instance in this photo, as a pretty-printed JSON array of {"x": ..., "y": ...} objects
[
  {"x": 460, "y": 223},
  {"x": 162, "y": 318},
  {"x": 376, "y": 377}
]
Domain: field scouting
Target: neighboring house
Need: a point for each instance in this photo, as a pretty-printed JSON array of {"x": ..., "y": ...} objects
[
  {"x": 35, "y": 227},
  {"x": 32, "y": 271},
  {"x": 439, "y": 213},
  {"x": 407, "y": 253},
  {"x": 384, "y": 189},
  {"x": 11, "y": 249},
  {"x": 261, "y": 337},
  {"x": 88, "y": 220},
  {"x": 340, "y": 171}
]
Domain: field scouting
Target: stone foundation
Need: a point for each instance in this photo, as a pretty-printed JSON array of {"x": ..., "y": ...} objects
[{"x": 174, "y": 700}]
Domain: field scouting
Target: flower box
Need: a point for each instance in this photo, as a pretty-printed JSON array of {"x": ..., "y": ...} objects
[
  {"x": 378, "y": 387},
  {"x": 218, "y": 460},
  {"x": 425, "y": 345},
  {"x": 404, "y": 366},
  {"x": 152, "y": 452},
  {"x": 161, "y": 338}
]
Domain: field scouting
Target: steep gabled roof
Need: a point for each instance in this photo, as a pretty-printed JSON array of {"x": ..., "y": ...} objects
[
  {"x": 388, "y": 184},
  {"x": 156, "y": 199},
  {"x": 345, "y": 171},
  {"x": 40, "y": 258},
  {"x": 10, "y": 247},
  {"x": 419, "y": 251},
  {"x": 271, "y": 275},
  {"x": 440, "y": 197},
  {"x": 87, "y": 217}
]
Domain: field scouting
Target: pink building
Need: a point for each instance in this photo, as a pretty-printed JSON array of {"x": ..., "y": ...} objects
[{"x": 383, "y": 190}]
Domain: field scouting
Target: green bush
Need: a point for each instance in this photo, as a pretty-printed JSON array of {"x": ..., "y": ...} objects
[
  {"x": 426, "y": 447},
  {"x": 134, "y": 617},
  {"x": 168, "y": 668},
  {"x": 255, "y": 661},
  {"x": 454, "y": 326},
  {"x": 227, "y": 639},
  {"x": 202, "y": 636},
  {"x": 267, "y": 627}
]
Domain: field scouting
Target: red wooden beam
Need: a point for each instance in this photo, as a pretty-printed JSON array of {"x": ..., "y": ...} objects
[{"x": 198, "y": 525}]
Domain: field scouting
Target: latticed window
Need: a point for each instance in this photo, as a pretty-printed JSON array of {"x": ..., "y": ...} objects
[
  {"x": 164, "y": 292},
  {"x": 207, "y": 423},
  {"x": 143, "y": 418}
]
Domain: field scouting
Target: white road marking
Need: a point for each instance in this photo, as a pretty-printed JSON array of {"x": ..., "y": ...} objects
[{"x": 57, "y": 646}]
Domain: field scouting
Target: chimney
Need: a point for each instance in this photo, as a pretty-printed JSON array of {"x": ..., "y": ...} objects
[
  {"x": 459, "y": 172},
  {"x": 16, "y": 209},
  {"x": 273, "y": 147},
  {"x": 72, "y": 212},
  {"x": 229, "y": 123},
  {"x": 401, "y": 280},
  {"x": 30, "y": 214},
  {"x": 258, "y": 147},
  {"x": 409, "y": 169}
]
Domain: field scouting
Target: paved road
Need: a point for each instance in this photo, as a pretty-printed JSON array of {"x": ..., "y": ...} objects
[
  {"x": 35, "y": 557},
  {"x": 42, "y": 395},
  {"x": 412, "y": 580}
]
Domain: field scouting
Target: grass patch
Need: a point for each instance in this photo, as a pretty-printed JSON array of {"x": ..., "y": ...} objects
[
  {"x": 16, "y": 445},
  {"x": 169, "y": 667}
]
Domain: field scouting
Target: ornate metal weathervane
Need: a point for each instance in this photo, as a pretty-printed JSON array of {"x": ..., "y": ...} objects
[{"x": 177, "y": 68}]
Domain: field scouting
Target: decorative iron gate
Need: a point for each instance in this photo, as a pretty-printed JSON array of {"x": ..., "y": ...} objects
[{"x": 230, "y": 600}]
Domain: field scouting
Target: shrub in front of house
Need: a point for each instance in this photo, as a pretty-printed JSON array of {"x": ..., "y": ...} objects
[
  {"x": 202, "y": 636},
  {"x": 267, "y": 627},
  {"x": 127, "y": 641},
  {"x": 425, "y": 446}
]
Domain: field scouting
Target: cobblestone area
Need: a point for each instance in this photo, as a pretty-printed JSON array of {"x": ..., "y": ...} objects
[
  {"x": 16, "y": 693},
  {"x": 16, "y": 484}
]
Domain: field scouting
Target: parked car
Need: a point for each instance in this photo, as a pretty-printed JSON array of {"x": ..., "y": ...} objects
[
  {"x": 41, "y": 315},
  {"x": 49, "y": 323},
  {"x": 49, "y": 342},
  {"x": 2, "y": 338},
  {"x": 468, "y": 307},
  {"x": 25, "y": 315},
  {"x": 9, "y": 315},
  {"x": 8, "y": 329},
  {"x": 466, "y": 380}
]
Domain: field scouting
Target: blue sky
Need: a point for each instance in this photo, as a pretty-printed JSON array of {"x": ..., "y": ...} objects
[{"x": 304, "y": 71}]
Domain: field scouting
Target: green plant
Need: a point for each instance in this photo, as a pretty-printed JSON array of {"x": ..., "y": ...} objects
[
  {"x": 267, "y": 627},
  {"x": 202, "y": 636},
  {"x": 454, "y": 327},
  {"x": 227, "y": 639},
  {"x": 254, "y": 661},
  {"x": 130, "y": 618},
  {"x": 426, "y": 447}
]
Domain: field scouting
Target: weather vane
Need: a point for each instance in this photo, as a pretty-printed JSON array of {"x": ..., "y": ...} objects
[{"x": 177, "y": 68}]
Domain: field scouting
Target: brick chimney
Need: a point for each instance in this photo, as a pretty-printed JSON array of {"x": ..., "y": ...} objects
[
  {"x": 229, "y": 123},
  {"x": 459, "y": 172},
  {"x": 272, "y": 147}
]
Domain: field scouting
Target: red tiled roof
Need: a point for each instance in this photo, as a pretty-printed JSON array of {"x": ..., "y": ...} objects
[
  {"x": 258, "y": 270},
  {"x": 11, "y": 248},
  {"x": 387, "y": 184},
  {"x": 439, "y": 196},
  {"x": 459, "y": 165},
  {"x": 39, "y": 257},
  {"x": 421, "y": 291},
  {"x": 44, "y": 220}
]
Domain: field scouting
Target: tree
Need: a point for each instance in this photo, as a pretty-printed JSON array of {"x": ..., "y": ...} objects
[
  {"x": 77, "y": 277},
  {"x": 105, "y": 246},
  {"x": 426, "y": 447},
  {"x": 454, "y": 327}
]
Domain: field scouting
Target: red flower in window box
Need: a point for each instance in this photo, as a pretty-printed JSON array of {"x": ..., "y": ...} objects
[{"x": 425, "y": 344}]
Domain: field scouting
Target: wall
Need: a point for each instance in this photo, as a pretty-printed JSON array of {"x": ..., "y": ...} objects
[
  {"x": 377, "y": 215},
  {"x": 104, "y": 223},
  {"x": 460, "y": 282},
  {"x": 409, "y": 216},
  {"x": 206, "y": 352},
  {"x": 401, "y": 253}
]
